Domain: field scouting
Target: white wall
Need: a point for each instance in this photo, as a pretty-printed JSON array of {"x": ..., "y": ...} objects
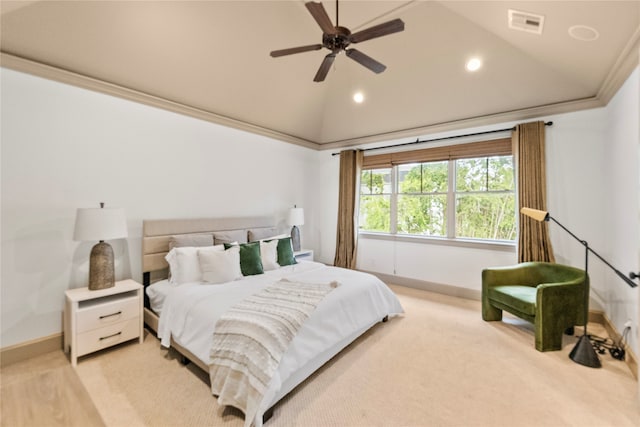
[
  {"x": 621, "y": 171},
  {"x": 65, "y": 147},
  {"x": 575, "y": 183}
]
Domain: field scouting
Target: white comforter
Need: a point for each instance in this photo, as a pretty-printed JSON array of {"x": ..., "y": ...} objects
[{"x": 190, "y": 312}]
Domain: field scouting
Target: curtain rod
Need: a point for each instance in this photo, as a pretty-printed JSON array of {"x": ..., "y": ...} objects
[{"x": 418, "y": 141}]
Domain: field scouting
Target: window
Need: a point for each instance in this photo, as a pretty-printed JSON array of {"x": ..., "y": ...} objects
[
  {"x": 422, "y": 198},
  {"x": 375, "y": 200},
  {"x": 485, "y": 198},
  {"x": 470, "y": 196}
]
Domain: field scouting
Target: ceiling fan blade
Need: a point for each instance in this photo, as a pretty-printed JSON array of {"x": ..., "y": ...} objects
[
  {"x": 380, "y": 30},
  {"x": 366, "y": 60},
  {"x": 320, "y": 15},
  {"x": 324, "y": 67},
  {"x": 292, "y": 50}
]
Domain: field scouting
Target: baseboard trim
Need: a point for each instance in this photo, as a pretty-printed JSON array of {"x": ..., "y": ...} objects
[
  {"x": 630, "y": 358},
  {"x": 439, "y": 288},
  {"x": 28, "y": 349},
  {"x": 595, "y": 316}
]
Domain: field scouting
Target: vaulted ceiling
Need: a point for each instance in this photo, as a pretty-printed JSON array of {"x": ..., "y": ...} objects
[{"x": 210, "y": 59}]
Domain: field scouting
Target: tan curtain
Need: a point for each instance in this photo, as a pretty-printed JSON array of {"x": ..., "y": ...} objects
[
  {"x": 347, "y": 234},
  {"x": 534, "y": 243}
]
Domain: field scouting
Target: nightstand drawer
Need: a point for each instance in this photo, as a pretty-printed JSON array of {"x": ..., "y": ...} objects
[
  {"x": 91, "y": 341},
  {"x": 107, "y": 313}
]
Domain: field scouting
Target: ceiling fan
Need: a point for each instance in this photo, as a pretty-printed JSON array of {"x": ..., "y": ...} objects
[{"x": 337, "y": 39}]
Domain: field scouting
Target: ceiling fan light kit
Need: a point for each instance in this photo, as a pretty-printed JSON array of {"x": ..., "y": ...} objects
[{"x": 337, "y": 39}]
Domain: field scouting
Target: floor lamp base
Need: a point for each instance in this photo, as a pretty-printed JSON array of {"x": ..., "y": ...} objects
[{"x": 584, "y": 354}]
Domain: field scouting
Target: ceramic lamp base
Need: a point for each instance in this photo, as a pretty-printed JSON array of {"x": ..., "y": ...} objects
[
  {"x": 295, "y": 238},
  {"x": 101, "y": 269}
]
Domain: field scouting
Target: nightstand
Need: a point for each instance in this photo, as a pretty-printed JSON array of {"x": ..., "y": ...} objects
[
  {"x": 94, "y": 320},
  {"x": 303, "y": 255}
]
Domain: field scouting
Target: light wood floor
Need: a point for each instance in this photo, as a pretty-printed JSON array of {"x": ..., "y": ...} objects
[{"x": 45, "y": 391}]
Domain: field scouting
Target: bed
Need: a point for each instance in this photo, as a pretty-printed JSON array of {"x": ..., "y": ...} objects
[{"x": 185, "y": 316}]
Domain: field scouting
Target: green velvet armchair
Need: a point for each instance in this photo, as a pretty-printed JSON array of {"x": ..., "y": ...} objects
[{"x": 553, "y": 297}]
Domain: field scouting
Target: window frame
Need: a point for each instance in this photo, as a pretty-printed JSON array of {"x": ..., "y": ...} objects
[
  {"x": 395, "y": 171},
  {"x": 391, "y": 161}
]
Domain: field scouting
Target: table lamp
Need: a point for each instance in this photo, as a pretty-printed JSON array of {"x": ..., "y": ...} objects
[{"x": 100, "y": 224}]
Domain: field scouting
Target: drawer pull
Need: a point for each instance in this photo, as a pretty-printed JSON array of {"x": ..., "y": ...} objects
[
  {"x": 110, "y": 336},
  {"x": 110, "y": 315}
]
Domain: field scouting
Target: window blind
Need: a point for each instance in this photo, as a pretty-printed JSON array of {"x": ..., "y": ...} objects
[{"x": 494, "y": 147}]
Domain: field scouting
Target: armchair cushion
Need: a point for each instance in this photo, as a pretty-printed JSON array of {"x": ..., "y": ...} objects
[{"x": 519, "y": 298}]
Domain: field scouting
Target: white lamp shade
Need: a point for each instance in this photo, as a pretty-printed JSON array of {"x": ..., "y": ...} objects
[
  {"x": 296, "y": 216},
  {"x": 100, "y": 224}
]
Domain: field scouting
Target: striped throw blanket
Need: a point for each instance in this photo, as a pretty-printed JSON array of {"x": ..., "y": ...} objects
[{"x": 250, "y": 339}]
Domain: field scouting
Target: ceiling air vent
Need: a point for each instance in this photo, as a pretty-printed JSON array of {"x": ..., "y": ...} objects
[{"x": 525, "y": 21}]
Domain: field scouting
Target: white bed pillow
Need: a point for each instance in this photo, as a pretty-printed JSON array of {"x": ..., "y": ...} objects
[
  {"x": 269, "y": 255},
  {"x": 277, "y": 237},
  {"x": 184, "y": 264},
  {"x": 220, "y": 266},
  {"x": 157, "y": 292}
]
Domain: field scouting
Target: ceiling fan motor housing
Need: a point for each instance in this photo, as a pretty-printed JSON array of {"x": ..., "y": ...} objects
[{"x": 338, "y": 41}]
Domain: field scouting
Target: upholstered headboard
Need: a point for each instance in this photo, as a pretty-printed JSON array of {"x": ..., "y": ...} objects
[{"x": 156, "y": 234}]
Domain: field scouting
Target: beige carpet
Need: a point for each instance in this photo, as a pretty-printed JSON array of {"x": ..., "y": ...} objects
[{"x": 439, "y": 365}]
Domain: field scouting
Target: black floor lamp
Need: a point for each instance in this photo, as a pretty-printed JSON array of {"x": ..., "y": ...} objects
[{"x": 583, "y": 352}]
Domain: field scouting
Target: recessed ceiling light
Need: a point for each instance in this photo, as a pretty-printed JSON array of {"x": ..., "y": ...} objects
[
  {"x": 473, "y": 64},
  {"x": 358, "y": 97},
  {"x": 583, "y": 33}
]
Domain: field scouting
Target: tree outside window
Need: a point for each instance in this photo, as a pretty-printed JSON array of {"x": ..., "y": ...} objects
[
  {"x": 422, "y": 199},
  {"x": 485, "y": 198},
  {"x": 375, "y": 200}
]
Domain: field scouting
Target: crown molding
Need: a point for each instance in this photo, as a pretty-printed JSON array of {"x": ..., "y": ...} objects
[
  {"x": 50, "y": 72},
  {"x": 627, "y": 61},
  {"x": 624, "y": 66},
  {"x": 505, "y": 117}
]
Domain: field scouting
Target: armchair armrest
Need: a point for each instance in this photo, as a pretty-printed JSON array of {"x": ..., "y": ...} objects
[{"x": 562, "y": 297}]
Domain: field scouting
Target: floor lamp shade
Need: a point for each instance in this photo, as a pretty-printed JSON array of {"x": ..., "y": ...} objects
[
  {"x": 100, "y": 224},
  {"x": 296, "y": 217},
  {"x": 536, "y": 214}
]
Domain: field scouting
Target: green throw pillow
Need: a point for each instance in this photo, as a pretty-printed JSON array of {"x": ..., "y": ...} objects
[
  {"x": 285, "y": 252},
  {"x": 250, "y": 261}
]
